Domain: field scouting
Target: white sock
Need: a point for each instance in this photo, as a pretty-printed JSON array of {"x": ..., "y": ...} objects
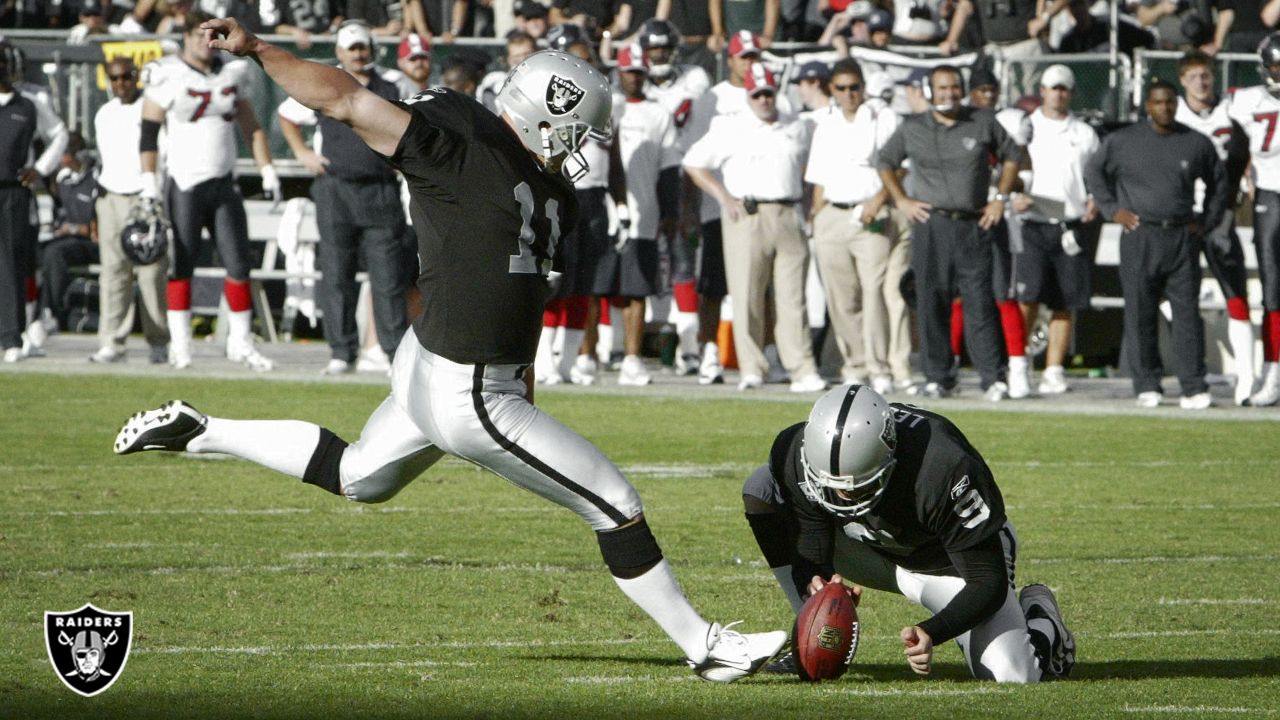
[
  {"x": 783, "y": 575},
  {"x": 544, "y": 361},
  {"x": 282, "y": 445},
  {"x": 569, "y": 349},
  {"x": 659, "y": 595},
  {"x": 604, "y": 341},
  {"x": 1017, "y": 363},
  {"x": 31, "y": 313},
  {"x": 240, "y": 326},
  {"x": 1240, "y": 334},
  {"x": 687, "y": 332},
  {"x": 179, "y": 326},
  {"x": 616, "y": 337}
]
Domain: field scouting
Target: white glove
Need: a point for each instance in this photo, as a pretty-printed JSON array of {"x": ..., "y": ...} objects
[
  {"x": 624, "y": 228},
  {"x": 1070, "y": 246},
  {"x": 270, "y": 182},
  {"x": 150, "y": 187}
]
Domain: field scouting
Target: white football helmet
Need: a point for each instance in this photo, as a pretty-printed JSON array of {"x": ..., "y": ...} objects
[
  {"x": 847, "y": 451},
  {"x": 557, "y": 101}
]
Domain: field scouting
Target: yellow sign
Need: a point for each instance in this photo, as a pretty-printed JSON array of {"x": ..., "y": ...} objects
[{"x": 140, "y": 51}]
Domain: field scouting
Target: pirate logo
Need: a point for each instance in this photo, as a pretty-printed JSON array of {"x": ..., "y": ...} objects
[
  {"x": 563, "y": 95},
  {"x": 88, "y": 647}
]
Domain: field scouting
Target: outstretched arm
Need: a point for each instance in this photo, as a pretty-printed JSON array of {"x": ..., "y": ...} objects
[{"x": 326, "y": 89}]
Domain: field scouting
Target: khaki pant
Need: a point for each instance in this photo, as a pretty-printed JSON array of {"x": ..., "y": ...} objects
[
  {"x": 864, "y": 304},
  {"x": 115, "y": 294},
  {"x": 760, "y": 250}
]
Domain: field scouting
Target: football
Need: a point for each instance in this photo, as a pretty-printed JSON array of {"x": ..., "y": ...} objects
[{"x": 825, "y": 636}]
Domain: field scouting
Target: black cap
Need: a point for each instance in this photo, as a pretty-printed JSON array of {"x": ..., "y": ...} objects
[
  {"x": 981, "y": 76},
  {"x": 529, "y": 9},
  {"x": 814, "y": 70}
]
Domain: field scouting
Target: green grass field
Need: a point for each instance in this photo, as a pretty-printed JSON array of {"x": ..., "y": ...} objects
[{"x": 256, "y": 596}]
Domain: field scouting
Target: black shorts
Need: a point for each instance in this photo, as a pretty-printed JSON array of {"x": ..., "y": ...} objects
[
  {"x": 632, "y": 273},
  {"x": 1048, "y": 275},
  {"x": 581, "y": 249},
  {"x": 216, "y": 205},
  {"x": 711, "y": 279}
]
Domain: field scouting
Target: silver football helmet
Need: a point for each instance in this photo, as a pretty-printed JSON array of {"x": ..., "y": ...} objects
[
  {"x": 558, "y": 101},
  {"x": 1269, "y": 67},
  {"x": 848, "y": 450},
  {"x": 146, "y": 233}
]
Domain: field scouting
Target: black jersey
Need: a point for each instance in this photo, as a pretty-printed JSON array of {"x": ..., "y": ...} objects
[
  {"x": 940, "y": 498},
  {"x": 488, "y": 220}
]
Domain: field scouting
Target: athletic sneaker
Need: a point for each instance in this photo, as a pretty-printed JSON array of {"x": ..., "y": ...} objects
[
  {"x": 243, "y": 351},
  {"x": 1053, "y": 381},
  {"x": 750, "y": 382},
  {"x": 687, "y": 364},
  {"x": 169, "y": 427},
  {"x": 732, "y": 655},
  {"x": 106, "y": 355},
  {"x": 709, "y": 371},
  {"x": 809, "y": 383},
  {"x": 338, "y": 366},
  {"x": 1148, "y": 399},
  {"x": 996, "y": 392},
  {"x": 1269, "y": 393},
  {"x": 373, "y": 360},
  {"x": 633, "y": 373},
  {"x": 930, "y": 390},
  {"x": 13, "y": 354},
  {"x": 1199, "y": 401},
  {"x": 583, "y": 371},
  {"x": 1019, "y": 380},
  {"x": 1038, "y": 602},
  {"x": 882, "y": 384}
]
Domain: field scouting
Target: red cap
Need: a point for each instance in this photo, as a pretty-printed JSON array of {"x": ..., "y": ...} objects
[
  {"x": 744, "y": 42},
  {"x": 759, "y": 79},
  {"x": 633, "y": 58},
  {"x": 414, "y": 45}
]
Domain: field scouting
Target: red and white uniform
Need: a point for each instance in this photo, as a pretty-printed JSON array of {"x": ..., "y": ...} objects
[
  {"x": 200, "y": 116},
  {"x": 646, "y": 135},
  {"x": 686, "y": 84},
  {"x": 1258, "y": 113}
]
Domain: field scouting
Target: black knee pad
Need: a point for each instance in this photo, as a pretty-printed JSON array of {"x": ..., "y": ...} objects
[
  {"x": 775, "y": 534},
  {"x": 322, "y": 470},
  {"x": 629, "y": 551}
]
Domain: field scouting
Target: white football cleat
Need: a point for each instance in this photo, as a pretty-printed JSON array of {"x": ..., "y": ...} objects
[
  {"x": 179, "y": 354},
  {"x": 709, "y": 370},
  {"x": 687, "y": 364},
  {"x": 731, "y": 655},
  {"x": 996, "y": 392},
  {"x": 1019, "y": 379},
  {"x": 338, "y": 366},
  {"x": 633, "y": 372},
  {"x": 1269, "y": 393},
  {"x": 1148, "y": 399},
  {"x": 1199, "y": 401},
  {"x": 243, "y": 351},
  {"x": 809, "y": 383},
  {"x": 106, "y": 355},
  {"x": 750, "y": 382},
  {"x": 169, "y": 427},
  {"x": 1038, "y": 602},
  {"x": 13, "y": 354},
  {"x": 583, "y": 371}
]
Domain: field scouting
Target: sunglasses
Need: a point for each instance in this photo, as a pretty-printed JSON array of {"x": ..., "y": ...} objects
[
  {"x": 851, "y": 87},
  {"x": 126, "y": 76},
  {"x": 762, "y": 93}
]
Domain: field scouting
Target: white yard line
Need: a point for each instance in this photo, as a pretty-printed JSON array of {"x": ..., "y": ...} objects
[
  {"x": 1211, "y": 601},
  {"x": 355, "y": 647},
  {"x": 1195, "y": 710}
]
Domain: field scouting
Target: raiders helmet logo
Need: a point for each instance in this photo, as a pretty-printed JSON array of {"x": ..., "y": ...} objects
[
  {"x": 563, "y": 95},
  {"x": 88, "y": 647}
]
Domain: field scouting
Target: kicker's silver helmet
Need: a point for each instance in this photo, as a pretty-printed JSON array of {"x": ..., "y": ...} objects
[
  {"x": 848, "y": 450},
  {"x": 557, "y": 101}
]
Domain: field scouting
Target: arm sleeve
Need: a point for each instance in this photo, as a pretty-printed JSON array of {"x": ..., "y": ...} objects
[
  {"x": 1215, "y": 190},
  {"x": 1005, "y": 145},
  {"x": 54, "y": 133},
  {"x": 1098, "y": 180},
  {"x": 894, "y": 150},
  {"x": 986, "y": 584}
]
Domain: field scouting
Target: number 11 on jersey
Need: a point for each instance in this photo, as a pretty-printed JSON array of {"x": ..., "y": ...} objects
[{"x": 525, "y": 262}]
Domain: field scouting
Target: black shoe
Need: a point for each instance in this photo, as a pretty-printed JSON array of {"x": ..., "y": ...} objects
[
  {"x": 169, "y": 427},
  {"x": 1038, "y": 602}
]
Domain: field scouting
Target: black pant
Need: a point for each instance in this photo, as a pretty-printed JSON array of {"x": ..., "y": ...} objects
[
  {"x": 355, "y": 220},
  {"x": 1225, "y": 256},
  {"x": 1266, "y": 243},
  {"x": 952, "y": 257},
  {"x": 218, "y": 206},
  {"x": 57, "y": 257},
  {"x": 1156, "y": 262},
  {"x": 15, "y": 219}
]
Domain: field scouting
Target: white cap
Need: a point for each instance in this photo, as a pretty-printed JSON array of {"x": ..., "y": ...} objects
[
  {"x": 354, "y": 33},
  {"x": 1056, "y": 75}
]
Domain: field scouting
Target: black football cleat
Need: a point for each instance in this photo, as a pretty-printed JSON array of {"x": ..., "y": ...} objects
[
  {"x": 169, "y": 427},
  {"x": 1038, "y": 602}
]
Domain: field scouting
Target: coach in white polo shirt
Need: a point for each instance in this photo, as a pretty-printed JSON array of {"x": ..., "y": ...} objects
[
  {"x": 761, "y": 155},
  {"x": 117, "y": 126},
  {"x": 852, "y": 227},
  {"x": 1058, "y": 228}
]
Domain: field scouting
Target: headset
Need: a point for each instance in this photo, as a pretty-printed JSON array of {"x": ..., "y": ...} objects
[{"x": 927, "y": 86}]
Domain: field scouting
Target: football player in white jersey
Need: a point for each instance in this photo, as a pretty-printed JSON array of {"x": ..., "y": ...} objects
[
  {"x": 1200, "y": 108},
  {"x": 199, "y": 97},
  {"x": 1257, "y": 110}
]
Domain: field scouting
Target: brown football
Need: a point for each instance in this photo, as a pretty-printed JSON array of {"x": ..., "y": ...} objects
[{"x": 825, "y": 636}]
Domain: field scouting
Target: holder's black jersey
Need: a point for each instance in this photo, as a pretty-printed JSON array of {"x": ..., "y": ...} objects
[
  {"x": 489, "y": 221},
  {"x": 940, "y": 498}
]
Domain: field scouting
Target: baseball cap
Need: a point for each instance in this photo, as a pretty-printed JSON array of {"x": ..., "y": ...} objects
[
  {"x": 1056, "y": 75},
  {"x": 918, "y": 77},
  {"x": 880, "y": 21},
  {"x": 981, "y": 76},
  {"x": 529, "y": 9},
  {"x": 633, "y": 58},
  {"x": 760, "y": 80},
  {"x": 744, "y": 42},
  {"x": 414, "y": 46},
  {"x": 813, "y": 70},
  {"x": 351, "y": 34}
]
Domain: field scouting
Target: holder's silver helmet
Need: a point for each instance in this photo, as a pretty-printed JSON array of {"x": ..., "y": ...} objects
[
  {"x": 557, "y": 101},
  {"x": 848, "y": 450}
]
